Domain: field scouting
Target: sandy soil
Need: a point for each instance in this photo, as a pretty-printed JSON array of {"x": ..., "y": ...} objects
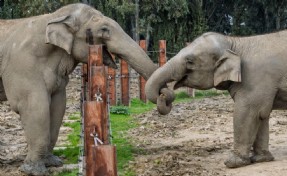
[{"x": 193, "y": 140}]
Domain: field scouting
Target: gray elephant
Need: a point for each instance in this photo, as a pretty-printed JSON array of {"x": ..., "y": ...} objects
[
  {"x": 36, "y": 56},
  {"x": 253, "y": 70}
]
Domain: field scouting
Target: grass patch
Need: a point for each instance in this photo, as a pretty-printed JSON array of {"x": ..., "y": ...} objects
[
  {"x": 121, "y": 121},
  {"x": 138, "y": 106},
  {"x": 70, "y": 154},
  {"x": 68, "y": 173},
  {"x": 120, "y": 125},
  {"x": 209, "y": 93}
]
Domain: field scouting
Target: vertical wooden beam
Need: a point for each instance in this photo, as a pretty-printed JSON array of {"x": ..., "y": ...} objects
[
  {"x": 142, "y": 81},
  {"x": 84, "y": 81},
  {"x": 125, "y": 83},
  {"x": 112, "y": 86},
  {"x": 162, "y": 52}
]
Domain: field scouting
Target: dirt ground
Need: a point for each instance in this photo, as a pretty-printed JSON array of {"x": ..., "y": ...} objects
[{"x": 193, "y": 140}]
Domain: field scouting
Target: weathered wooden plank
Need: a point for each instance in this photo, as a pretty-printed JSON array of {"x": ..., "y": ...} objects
[{"x": 142, "y": 81}]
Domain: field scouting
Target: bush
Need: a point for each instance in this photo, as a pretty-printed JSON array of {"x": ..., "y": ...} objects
[
  {"x": 182, "y": 95},
  {"x": 119, "y": 110}
]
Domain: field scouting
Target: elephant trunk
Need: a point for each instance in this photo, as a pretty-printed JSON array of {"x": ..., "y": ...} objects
[
  {"x": 136, "y": 57},
  {"x": 156, "y": 83}
]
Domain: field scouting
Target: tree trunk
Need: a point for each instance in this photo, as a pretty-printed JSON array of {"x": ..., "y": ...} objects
[
  {"x": 137, "y": 21},
  {"x": 278, "y": 20},
  {"x": 147, "y": 38},
  {"x": 266, "y": 17}
]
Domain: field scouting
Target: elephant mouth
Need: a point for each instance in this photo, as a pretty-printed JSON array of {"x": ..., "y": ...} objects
[
  {"x": 109, "y": 58},
  {"x": 180, "y": 83}
]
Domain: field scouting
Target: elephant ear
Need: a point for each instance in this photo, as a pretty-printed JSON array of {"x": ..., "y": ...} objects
[
  {"x": 227, "y": 68},
  {"x": 59, "y": 32}
]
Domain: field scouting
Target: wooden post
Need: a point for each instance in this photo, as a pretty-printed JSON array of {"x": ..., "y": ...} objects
[
  {"x": 162, "y": 52},
  {"x": 105, "y": 153},
  {"x": 142, "y": 81},
  {"x": 96, "y": 119},
  {"x": 84, "y": 81},
  {"x": 125, "y": 83},
  {"x": 112, "y": 86},
  {"x": 98, "y": 84},
  {"x": 93, "y": 126}
]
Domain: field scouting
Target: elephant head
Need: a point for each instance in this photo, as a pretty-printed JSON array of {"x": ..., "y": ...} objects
[
  {"x": 67, "y": 29},
  {"x": 205, "y": 63}
]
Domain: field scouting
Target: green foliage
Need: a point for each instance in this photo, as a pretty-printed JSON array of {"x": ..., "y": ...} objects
[
  {"x": 176, "y": 21},
  {"x": 123, "y": 110},
  {"x": 25, "y": 8}
]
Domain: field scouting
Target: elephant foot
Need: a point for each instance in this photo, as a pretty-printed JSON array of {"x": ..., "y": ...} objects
[
  {"x": 235, "y": 161},
  {"x": 34, "y": 168},
  {"x": 262, "y": 157},
  {"x": 52, "y": 160}
]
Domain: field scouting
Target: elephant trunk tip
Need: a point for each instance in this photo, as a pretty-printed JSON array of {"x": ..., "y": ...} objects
[{"x": 164, "y": 101}]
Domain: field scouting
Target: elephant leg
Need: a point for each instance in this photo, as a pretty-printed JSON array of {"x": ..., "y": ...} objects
[
  {"x": 261, "y": 151},
  {"x": 58, "y": 107},
  {"x": 245, "y": 124},
  {"x": 2, "y": 91},
  {"x": 35, "y": 117}
]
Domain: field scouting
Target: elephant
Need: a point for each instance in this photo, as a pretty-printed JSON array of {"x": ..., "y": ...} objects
[
  {"x": 36, "y": 56},
  {"x": 252, "y": 69}
]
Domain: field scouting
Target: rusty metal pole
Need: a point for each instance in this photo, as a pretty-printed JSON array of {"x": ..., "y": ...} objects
[
  {"x": 142, "y": 81},
  {"x": 162, "y": 52},
  {"x": 125, "y": 83}
]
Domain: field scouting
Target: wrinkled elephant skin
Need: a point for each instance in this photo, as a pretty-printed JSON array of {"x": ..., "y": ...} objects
[
  {"x": 36, "y": 56},
  {"x": 252, "y": 69}
]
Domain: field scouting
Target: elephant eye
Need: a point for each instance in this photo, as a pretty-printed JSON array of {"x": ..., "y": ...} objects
[{"x": 190, "y": 64}]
